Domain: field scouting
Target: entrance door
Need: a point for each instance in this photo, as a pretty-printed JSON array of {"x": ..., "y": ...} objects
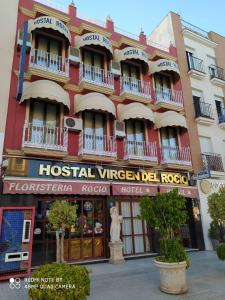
[
  {"x": 134, "y": 231},
  {"x": 15, "y": 241},
  {"x": 86, "y": 238}
]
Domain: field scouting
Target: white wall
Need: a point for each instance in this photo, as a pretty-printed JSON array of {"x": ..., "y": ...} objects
[
  {"x": 8, "y": 22},
  {"x": 163, "y": 33},
  {"x": 210, "y": 91},
  {"x": 206, "y": 219}
]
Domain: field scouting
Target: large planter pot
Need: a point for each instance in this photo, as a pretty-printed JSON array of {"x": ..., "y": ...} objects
[
  {"x": 215, "y": 243},
  {"x": 172, "y": 277}
]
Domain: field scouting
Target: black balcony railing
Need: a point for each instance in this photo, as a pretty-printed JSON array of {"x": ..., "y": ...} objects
[
  {"x": 196, "y": 64},
  {"x": 221, "y": 115},
  {"x": 216, "y": 72},
  {"x": 203, "y": 109},
  {"x": 213, "y": 162}
]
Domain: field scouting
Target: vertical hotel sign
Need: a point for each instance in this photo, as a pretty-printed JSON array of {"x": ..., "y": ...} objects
[{"x": 22, "y": 62}]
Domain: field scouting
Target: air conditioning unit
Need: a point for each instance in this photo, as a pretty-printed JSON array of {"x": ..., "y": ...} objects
[
  {"x": 119, "y": 129},
  {"x": 73, "y": 124},
  {"x": 20, "y": 39},
  {"x": 74, "y": 56},
  {"x": 116, "y": 68}
]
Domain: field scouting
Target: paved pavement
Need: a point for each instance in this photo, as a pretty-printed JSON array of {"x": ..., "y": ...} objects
[{"x": 138, "y": 280}]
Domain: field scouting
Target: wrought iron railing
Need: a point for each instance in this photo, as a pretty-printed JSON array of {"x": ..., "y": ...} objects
[
  {"x": 194, "y": 29},
  {"x": 221, "y": 115},
  {"x": 168, "y": 95},
  {"x": 213, "y": 161},
  {"x": 101, "y": 145},
  {"x": 196, "y": 64},
  {"x": 216, "y": 72},
  {"x": 203, "y": 109},
  {"x": 49, "y": 62},
  {"x": 135, "y": 86},
  {"x": 45, "y": 137},
  {"x": 176, "y": 155},
  {"x": 140, "y": 150},
  {"x": 96, "y": 75}
]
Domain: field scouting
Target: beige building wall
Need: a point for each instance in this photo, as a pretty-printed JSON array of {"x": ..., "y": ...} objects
[
  {"x": 8, "y": 24},
  {"x": 219, "y": 51},
  {"x": 170, "y": 31}
]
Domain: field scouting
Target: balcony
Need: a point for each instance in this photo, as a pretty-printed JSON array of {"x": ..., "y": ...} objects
[
  {"x": 41, "y": 139},
  {"x": 97, "y": 147},
  {"x": 203, "y": 113},
  {"x": 221, "y": 118},
  {"x": 135, "y": 89},
  {"x": 94, "y": 78},
  {"x": 170, "y": 99},
  {"x": 217, "y": 75},
  {"x": 214, "y": 163},
  {"x": 196, "y": 67},
  {"x": 48, "y": 65},
  {"x": 176, "y": 157},
  {"x": 140, "y": 152}
]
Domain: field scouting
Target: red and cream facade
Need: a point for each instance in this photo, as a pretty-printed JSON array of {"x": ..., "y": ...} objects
[{"x": 101, "y": 122}]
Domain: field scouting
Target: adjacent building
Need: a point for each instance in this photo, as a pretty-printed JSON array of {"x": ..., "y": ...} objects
[
  {"x": 99, "y": 120},
  {"x": 202, "y": 61}
]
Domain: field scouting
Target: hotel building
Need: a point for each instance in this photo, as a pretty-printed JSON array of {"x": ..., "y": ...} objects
[{"x": 95, "y": 117}]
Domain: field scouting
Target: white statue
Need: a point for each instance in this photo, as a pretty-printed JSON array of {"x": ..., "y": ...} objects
[{"x": 115, "y": 225}]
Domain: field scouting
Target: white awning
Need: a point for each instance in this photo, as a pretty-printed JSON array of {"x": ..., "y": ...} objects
[
  {"x": 45, "y": 89},
  {"x": 93, "y": 38},
  {"x": 163, "y": 65},
  {"x": 169, "y": 118},
  {"x": 131, "y": 53},
  {"x": 94, "y": 101},
  {"x": 134, "y": 111},
  {"x": 49, "y": 22}
]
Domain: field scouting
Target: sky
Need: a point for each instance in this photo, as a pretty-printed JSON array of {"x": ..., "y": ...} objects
[{"x": 132, "y": 15}]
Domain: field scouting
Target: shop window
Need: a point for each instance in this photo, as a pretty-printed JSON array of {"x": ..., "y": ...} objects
[
  {"x": 169, "y": 142},
  {"x": 135, "y": 131},
  {"x": 95, "y": 125},
  {"x": 44, "y": 118}
]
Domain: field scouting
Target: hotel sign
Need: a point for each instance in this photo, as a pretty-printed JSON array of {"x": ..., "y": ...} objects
[
  {"x": 131, "y": 53},
  {"x": 114, "y": 174}
]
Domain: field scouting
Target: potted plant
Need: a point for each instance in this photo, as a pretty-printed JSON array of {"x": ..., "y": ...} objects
[
  {"x": 214, "y": 234},
  {"x": 62, "y": 215},
  {"x": 216, "y": 209},
  {"x": 166, "y": 212}
]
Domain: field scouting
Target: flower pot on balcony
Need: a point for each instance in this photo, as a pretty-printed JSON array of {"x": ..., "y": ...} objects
[{"x": 172, "y": 277}]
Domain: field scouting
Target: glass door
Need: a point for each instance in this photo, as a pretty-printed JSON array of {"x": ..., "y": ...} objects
[
  {"x": 131, "y": 76},
  {"x": 134, "y": 231},
  {"x": 163, "y": 87},
  {"x": 169, "y": 143},
  {"x": 94, "y": 132},
  {"x": 135, "y": 137},
  {"x": 93, "y": 66}
]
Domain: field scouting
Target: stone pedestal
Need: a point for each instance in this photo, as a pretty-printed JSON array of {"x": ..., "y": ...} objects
[{"x": 116, "y": 253}]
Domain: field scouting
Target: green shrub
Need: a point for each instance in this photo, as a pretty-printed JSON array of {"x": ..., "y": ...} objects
[
  {"x": 75, "y": 279},
  {"x": 214, "y": 231},
  {"x": 220, "y": 250},
  {"x": 172, "y": 251}
]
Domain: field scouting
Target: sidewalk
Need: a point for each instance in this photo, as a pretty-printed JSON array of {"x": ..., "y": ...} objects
[{"x": 139, "y": 279}]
